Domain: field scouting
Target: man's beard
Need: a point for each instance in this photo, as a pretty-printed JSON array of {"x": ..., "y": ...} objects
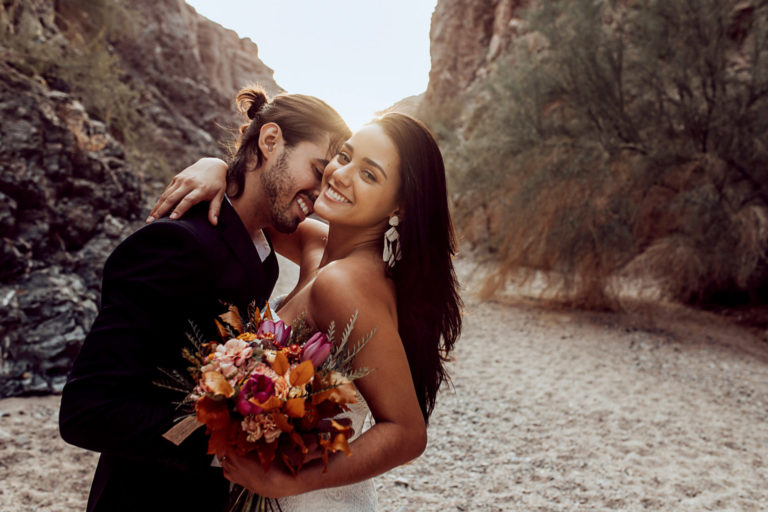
[{"x": 277, "y": 184}]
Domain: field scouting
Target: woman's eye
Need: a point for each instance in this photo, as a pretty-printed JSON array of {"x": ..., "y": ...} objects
[
  {"x": 343, "y": 157},
  {"x": 369, "y": 175}
]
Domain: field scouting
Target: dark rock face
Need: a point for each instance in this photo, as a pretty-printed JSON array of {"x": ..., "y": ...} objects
[
  {"x": 65, "y": 190},
  {"x": 68, "y": 194},
  {"x": 46, "y": 315},
  {"x": 60, "y": 171}
]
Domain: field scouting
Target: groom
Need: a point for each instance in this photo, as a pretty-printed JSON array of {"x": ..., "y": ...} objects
[{"x": 170, "y": 272}]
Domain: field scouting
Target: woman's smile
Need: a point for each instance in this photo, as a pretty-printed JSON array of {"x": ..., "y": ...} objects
[{"x": 335, "y": 196}]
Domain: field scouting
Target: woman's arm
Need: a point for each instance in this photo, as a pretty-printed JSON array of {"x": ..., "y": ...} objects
[
  {"x": 205, "y": 180},
  {"x": 292, "y": 245},
  {"x": 399, "y": 434}
]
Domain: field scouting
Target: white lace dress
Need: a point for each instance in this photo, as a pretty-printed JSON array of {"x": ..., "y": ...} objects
[{"x": 359, "y": 497}]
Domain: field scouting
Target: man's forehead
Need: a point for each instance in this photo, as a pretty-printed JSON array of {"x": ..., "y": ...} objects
[
  {"x": 326, "y": 148},
  {"x": 320, "y": 150}
]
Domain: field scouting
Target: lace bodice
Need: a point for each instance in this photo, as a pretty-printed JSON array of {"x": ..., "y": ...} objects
[{"x": 359, "y": 497}]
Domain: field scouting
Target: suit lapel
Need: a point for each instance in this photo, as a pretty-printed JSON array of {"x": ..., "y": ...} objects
[
  {"x": 235, "y": 235},
  {"x": 260, "y": 276}
]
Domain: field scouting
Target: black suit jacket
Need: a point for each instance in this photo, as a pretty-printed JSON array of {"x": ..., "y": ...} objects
[{"x": 158, "y": 279}]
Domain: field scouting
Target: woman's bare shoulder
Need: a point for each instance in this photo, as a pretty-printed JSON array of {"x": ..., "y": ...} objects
[
  {"x": 355, "y": 276},
  {"x": 350, "y": 284}
]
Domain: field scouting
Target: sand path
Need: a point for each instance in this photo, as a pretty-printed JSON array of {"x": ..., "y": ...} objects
[{"x": 550, "y": 411}]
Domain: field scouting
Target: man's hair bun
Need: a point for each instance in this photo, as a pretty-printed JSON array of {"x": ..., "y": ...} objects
[{"x": 250, "y": 100}]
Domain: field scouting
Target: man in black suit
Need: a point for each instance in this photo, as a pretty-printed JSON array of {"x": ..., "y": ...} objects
[{"x": 170, "y": 272}]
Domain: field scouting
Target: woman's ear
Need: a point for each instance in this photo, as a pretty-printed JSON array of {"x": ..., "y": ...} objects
[{"x": 270, "y": 139}]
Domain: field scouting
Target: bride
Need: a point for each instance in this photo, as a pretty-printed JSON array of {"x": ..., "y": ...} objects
[{"x": 383, "y": 194}]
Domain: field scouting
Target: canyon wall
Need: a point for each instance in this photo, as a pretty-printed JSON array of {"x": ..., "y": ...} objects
[
  {"x": 466, "y": 38},
  {"x": 78, "y": 165}
]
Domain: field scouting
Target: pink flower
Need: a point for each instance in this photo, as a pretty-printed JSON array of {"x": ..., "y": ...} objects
[
  {"x": 316, "y": 349},
  {"x": 278, "y": 332},
  {"x": 227, "y": 369},
  {"x": 260, "y": 388},
  {"x": 260, "y": 426},
  {"x": 243, "y": 356},
  {"x": 234, "y": 351}
]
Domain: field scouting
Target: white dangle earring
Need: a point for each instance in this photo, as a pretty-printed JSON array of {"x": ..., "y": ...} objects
[{"x": 392, "y": 252}]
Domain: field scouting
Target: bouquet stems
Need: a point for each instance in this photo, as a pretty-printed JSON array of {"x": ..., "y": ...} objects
[{"x": 247, "y": 501}]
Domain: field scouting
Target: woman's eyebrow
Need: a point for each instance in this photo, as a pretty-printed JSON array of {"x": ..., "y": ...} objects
[
  {"x": 366, "y": 159},
  {"x": 371, "y": 162}
]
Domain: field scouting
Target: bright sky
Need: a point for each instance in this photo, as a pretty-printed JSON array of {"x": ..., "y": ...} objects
[{"x": 359, "y": 56}]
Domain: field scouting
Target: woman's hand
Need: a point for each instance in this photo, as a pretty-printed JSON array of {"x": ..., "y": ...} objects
[
  {"x": 205, "y": 180},
  {"x": 247, "y": 472}
]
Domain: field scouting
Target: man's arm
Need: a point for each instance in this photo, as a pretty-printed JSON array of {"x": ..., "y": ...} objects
[{"x": 110, "y": 404}]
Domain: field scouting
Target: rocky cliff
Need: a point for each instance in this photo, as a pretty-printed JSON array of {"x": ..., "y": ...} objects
[
  {"x": 73, "y": 168},
  {"x": 188, "y": 70},
  {"x": 466, "y": 38},
  {"x": 468, "y": 41}
]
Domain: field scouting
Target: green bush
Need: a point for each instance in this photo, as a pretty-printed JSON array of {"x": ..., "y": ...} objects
[{"x": 627, "y": 138}]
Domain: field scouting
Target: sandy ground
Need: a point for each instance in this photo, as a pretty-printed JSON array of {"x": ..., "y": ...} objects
[{"x": 550, "y": 411}]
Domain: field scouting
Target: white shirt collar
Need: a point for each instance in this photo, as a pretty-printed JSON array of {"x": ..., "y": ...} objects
[{"x": 259, "y": 241}]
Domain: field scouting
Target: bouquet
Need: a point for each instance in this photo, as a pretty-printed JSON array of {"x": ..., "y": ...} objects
[{"x": 271, "y": 390}]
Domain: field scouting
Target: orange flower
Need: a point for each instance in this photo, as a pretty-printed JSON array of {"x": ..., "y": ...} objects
[
  {"x": 333, "y": 443},
  {"x": 294, "y": 407},
  {"x": 248, "y": 336},
  {"x": 213, "y": 413},
  {"x": 335, "y": 387},
  {"x": 214, "y": 382},
  {"x": 278, "y": 360},
  {"x": 231, "y": 317},
  {"x": 302, "y": 373}
]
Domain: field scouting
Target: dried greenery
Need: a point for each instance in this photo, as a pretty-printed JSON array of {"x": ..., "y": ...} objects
[{"x": 624, "y": 139}]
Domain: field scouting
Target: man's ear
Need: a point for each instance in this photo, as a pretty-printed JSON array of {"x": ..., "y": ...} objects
[{"x": 270, "y": 139}]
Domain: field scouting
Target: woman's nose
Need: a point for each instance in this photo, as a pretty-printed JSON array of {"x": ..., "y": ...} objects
[{"x": 343, "y": 174}]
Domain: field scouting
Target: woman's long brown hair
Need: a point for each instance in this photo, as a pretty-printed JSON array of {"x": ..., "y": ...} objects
[{"x": 428, "y": 302}]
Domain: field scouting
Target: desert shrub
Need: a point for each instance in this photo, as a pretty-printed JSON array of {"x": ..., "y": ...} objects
[
  {"x": 92, "y": 68},
  {"x": 82, "y": 61},
  {"x": 628, "y": 139}
]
